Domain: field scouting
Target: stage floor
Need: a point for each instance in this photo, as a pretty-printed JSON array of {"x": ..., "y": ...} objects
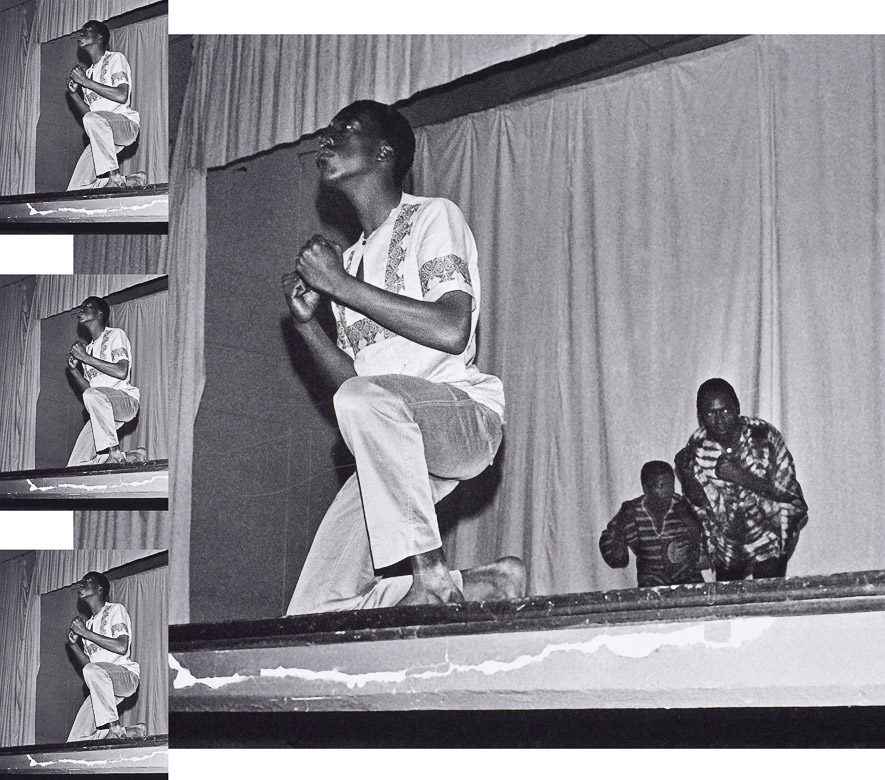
[
  {"x": 130, "y": 756},
  {"x": 139, "y": 483},
  {"x": 137, "y": 204},
  {"x": 801, "y": 641}
]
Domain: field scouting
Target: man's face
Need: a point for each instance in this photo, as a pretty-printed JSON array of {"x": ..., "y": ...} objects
[
  {"x": 349, "y": 146},
  {"x": 87, "y": 36},
  {"x": 87, "y": 312},
  {"x": 659, "y": 487},
  {"x": 719, "y": 415},
  {"x": 88, "y": 587}
]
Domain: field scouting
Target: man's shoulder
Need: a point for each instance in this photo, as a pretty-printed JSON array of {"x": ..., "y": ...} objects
[
  {"x": 428, "y": 206},
  {"x": 760, "y": 429}
]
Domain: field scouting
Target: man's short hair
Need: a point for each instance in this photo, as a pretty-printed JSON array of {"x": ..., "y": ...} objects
[
  {"x": 103, "y": 581},
  {"x": 102, "y": 29},
  {"x": 653, "y": 469},
  {"x": 392, "y": 127},
  {"x": 102, "y": 305},
  {"x": 720, "y": 386}
]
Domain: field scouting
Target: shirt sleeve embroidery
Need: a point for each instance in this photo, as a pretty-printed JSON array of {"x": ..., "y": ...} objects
[{"x": 442, "y": 269}]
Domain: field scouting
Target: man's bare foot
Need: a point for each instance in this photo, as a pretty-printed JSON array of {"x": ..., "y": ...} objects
[
  {"x": 117, "y": 458},
  {"x": 138, "y": 179},
  {"x": 116, "y": 180},
  {"x": 138, "y": 731},
  {"x": 431, "y": 581},
  {"x": 499, "y": 581},
  {"x": 138, "y": 455},
  {"x": 116, "y": 731}
]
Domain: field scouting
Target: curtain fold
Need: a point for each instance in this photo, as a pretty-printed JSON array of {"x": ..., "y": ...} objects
[
  {"x": 18, "y": 661},
  {"x": 146, "y": 47},
  {"x": 59, "y": 568},
  {"x": 145, "y": 597},
  {"x": 59, "y": 293},
  {"x": 15, "y": 32},
  {"x": 144, "y": 319},
  {"x": 19, "y": 375},
  {"x": 719, "y": 214}
]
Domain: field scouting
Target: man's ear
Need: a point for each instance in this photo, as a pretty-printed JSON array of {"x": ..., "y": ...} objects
[{"x": 386, "y": 152}]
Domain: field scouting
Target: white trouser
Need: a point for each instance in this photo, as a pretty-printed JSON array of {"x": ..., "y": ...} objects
[
  {"x": 108, "y": 685},
  {"x": 413, "y": 441},
  {"x": 108, "y": 409},
  {"x": 108, "y": 133}
]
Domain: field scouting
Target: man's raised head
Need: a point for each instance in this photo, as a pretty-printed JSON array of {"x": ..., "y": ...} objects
[
  {"x": 101, "y": 29},
  {"x": 100, "y": 305},
  {"x": 98, "y": 579},
  {"x": 390, "y": 126}
]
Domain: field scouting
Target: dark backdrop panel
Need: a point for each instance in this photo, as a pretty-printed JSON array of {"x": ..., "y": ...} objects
[{"x": 268, "y": 457}]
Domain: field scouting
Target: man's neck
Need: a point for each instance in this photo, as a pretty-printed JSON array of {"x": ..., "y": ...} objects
[
  {"x": 373, "y": 203},
  {"x": 95, "y": 604},
  {"x": 95, "y": 329},
  {"x": 95, "y": 53}
]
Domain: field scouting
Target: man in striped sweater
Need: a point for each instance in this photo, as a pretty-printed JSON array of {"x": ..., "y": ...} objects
[{"x": 660, "y": 528}]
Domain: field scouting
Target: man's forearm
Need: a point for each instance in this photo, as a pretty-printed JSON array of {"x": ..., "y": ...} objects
[
  {"x": 118, "y": 94},
  {"x": 335, "y": 365},
  {"x": 79, "y": 654},
  {"x": 117, "y": 645},
  {"x": 79, "y": 103},
  {"x": 116, "y": 370},
  {"x": 79, "y": 379},
  {"x": 443, "y": 325}
]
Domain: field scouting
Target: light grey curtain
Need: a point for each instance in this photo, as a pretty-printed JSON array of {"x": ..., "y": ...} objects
[
  {"x": 719, "y": 214},
  {"x": 58, "y": 293},
  {"x": 19, "y": 375},
  {"x": 19, "y": 650},
  {"x": 15, "y": 30}
]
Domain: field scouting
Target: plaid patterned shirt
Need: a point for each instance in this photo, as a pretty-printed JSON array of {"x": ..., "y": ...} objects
[{"x": 741, "y": 525}]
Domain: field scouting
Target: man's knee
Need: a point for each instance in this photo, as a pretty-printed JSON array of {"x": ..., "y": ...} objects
[
  {"x": 92, "y": 672},
  {"x": 359, "y": 394},
  {"x": 92, "y": 397},
  {"x": 93, "y": 121}
]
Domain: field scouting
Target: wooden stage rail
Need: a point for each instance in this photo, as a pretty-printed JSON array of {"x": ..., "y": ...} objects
[
  {"x": 130, "y": 756},
  {"x": 802, "y": 641},
  {"x": 138, "y": 483},
  {"x": 137, "y": 204}
]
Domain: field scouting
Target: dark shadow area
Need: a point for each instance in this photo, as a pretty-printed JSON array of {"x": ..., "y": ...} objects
[{"x": 751, "y": 727}]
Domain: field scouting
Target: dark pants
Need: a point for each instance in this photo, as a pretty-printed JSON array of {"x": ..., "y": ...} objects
[{"x": 773, "y": 567}]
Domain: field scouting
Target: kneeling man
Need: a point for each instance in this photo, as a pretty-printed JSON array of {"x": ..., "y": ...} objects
[
  {"x": 108, "y": 671},
  {"x": 107, "y": 394}
]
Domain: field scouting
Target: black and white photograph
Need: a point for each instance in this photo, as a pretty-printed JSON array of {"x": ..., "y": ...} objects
[
  {"x": 540, "y": 383},
  {"x": 85, "y": 384},
  {"x": 489, "y": 378},
  {"x": 83, "y": 115},
  {"x": 84, "y": 662}
]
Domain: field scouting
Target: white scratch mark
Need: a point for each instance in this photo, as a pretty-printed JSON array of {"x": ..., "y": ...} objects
[
  {"x": 632, "y": 645},
  {"x": 88, "y": 212},
  {"x": 89, "y": 488},
  {"x": 97, "y": 762},
  {"x": 184, "y": 679}
]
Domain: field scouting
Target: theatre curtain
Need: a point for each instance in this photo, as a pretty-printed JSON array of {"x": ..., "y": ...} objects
[
  {"x": 305, "y": 79},
  {"x": 58, "y": 293},
  {"x": 24, "y": 579},
  {"x": 19, "y": 650},
  {"x": 15, "y": 31},
  {"x": 52, "y": 19},
  {"x": 719, "y": 214},
  {"x": 19, "y": 375}
]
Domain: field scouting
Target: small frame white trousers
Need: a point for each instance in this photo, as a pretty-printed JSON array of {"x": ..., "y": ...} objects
[
  {"x": 108, "y": 133},
  {"x": 108, "y": 685},
  {"x": 413, "y": 442},
  {"x": 108, "y": 409}
]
